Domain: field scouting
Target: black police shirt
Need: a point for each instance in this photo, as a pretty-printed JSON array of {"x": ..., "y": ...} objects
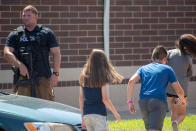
[{"x": 47, "y": 40}]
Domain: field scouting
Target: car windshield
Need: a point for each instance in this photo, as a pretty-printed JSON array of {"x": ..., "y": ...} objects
[{"x": 34, "y": 103}]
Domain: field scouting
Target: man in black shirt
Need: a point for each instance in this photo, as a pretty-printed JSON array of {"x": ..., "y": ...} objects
[{"x": 27, "y": 49}]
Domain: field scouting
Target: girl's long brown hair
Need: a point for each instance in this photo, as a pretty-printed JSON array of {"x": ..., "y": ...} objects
[
  {"x": 98, "y": 71},
  {"x": 187, "y": 44}
]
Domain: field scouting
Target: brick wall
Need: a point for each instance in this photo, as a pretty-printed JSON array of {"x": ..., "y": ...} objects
[{"x": 136, "y": 27}]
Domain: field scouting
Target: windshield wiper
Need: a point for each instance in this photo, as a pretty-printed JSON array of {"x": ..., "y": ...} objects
[{"x": 4, "y": 93}]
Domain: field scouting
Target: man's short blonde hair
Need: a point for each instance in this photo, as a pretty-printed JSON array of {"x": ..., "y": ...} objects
[{"x": 31, "y": 8}]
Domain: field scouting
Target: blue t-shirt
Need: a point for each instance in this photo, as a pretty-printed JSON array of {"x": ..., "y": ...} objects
[
  {"x": 93, "y": 103},
  {"x": 40, "y": 51},
  {"x": 154, "y": 80}
]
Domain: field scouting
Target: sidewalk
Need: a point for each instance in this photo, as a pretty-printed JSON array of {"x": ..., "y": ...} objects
[{"x": 125, "y": 115}]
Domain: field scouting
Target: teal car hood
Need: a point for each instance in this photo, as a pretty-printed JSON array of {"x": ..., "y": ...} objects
[{"x": 34, "y": 109}]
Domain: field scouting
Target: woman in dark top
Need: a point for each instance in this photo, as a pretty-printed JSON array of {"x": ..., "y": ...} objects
[
  {"x": 97, "y": 72},
  {"x": 181, "y": 62}
]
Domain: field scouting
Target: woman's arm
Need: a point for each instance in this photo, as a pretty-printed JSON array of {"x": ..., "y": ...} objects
[
  {"x": 81, "y": 100},
  {"x": 179, "y": 91},
  {"x": 108, "y": 103}
]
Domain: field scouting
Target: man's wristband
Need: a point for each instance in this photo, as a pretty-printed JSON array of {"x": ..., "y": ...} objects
[{"x": 129, "y": 101}]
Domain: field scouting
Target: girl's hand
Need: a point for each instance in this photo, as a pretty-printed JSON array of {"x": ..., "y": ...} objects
[
  {"x": 117, "y": 116},
  {"x": 83, "y": 124}
]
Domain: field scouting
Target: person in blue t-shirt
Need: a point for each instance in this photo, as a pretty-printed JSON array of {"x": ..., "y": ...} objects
[
  {"x": 154, "y": 79},
  {"x": 97, "y": 72}
]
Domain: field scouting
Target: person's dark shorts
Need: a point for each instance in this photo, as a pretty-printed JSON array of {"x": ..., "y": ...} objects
[{"x": 153, "y": 112}]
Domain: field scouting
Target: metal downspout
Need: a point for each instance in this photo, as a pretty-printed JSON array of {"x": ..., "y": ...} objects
[
  {"x": 106, "y": 31},
  {"x": 106, "y": 27}
]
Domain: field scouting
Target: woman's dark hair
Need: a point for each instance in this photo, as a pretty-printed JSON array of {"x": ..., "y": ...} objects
[{"x": 187, "y": 44}]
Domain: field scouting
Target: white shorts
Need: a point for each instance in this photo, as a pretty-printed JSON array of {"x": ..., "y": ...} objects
[{"x": 95, "y": 122}]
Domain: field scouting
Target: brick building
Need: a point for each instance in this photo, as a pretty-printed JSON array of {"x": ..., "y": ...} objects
[{"x": 136, "y": 27}]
